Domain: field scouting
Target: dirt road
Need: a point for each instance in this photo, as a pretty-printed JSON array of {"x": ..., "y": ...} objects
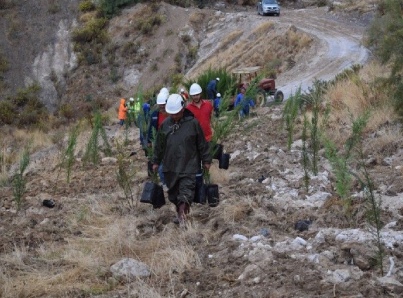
[{"x": 338, "y": 47}]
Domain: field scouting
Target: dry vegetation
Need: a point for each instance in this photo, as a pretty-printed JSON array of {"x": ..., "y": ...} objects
[{"x": 76, "y": 243}]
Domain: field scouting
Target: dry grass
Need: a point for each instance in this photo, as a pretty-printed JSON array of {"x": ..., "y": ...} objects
[
  {"x": 269, "y": 44},
  {"x": 81, "y": 264},
  {"x": 196, "y": 17},
  {"x": 349, "y": 99},
  {"x": 263, "y": 28},
  {"x": 230, "y": 39},
  {"x": 361, "y": 6}
]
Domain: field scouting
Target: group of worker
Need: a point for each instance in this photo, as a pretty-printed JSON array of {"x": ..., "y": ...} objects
[{"x": 180, "y": 133}]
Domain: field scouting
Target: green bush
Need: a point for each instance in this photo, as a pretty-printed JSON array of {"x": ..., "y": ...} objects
[
  {"x": 66, "y": 110},
  {"x": 7, "y": 112},
  {"x": 227, "y": 83},
  {"x": 23, "y": 96},
  {"x": 86, "y": 5},
  {"x": 109, "y": 8},
  {"x": 385, "y": 37},
  {"x": 92, "y": 30}
]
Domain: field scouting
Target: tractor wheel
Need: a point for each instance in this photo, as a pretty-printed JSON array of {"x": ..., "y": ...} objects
[
  {"x": 260, "y": 98},
  {"x": 278, "y": 96}
]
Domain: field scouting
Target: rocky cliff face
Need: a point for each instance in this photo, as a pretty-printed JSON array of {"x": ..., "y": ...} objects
[{"x": 35, "y": 41}]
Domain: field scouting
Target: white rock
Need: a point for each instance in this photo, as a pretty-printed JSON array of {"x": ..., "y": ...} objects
[
  {"x": 300, "y": 241},
  {"x": 256, "y": 238},
  {"x": 129, "y": 269},
  {"x": 239, "y": 237}
]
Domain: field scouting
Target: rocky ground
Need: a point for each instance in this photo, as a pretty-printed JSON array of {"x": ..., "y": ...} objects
[{"x": 247, "y": 246}]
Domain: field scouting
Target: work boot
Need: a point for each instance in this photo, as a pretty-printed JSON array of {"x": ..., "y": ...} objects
[{"x": 183, "y": 211}]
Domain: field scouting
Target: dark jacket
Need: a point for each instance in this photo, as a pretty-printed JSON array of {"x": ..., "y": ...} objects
[
  {"x": 212, "y": 86},
  {"x": 153, "y": 126},
  {"x": 182, "y": 147}
]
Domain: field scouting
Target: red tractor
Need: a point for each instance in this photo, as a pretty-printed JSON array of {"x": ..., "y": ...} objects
[{"x": 266, "y": 88}]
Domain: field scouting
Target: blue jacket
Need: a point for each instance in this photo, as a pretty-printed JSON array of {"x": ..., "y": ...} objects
[
  {"x": 244, "y": 102},
  {"x": 153, "y": 126},
  {"x": 212, "y": 86},
  {"x": 217, "y": 103}
]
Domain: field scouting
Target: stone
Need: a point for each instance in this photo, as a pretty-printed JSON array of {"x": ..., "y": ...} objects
[{"x": 129, "y": 269}]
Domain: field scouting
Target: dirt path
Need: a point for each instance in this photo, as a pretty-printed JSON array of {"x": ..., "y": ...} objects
[{"x": 338, "y": 47}]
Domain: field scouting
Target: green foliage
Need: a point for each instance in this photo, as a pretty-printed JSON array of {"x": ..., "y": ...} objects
[
  {"x": 86, "y": 5},
  {"x": 125, "y": 177},
  {"x": 340, "y": 168},
  {"x": 94, "y": 29},
  {"x": 28, "y": 107},
  {"x": 25, "y": 95},
  {"x": 109, "y": 8},
  {"x": 92, "y": 150},
  {"x": 290, "y": 113},
  {"x": 340, "y": 159},
  {"x": 18, "y": 179},
  {"x": 66, "y": 110},
  {"x": 7, "y": 113},
  {"x": 385, "y": 36},
  {"x": 68, "y": 157},
  {"x": 316, "y": 100},
  {"x": 305, "y": 153},
  {"x": 226, "y": 84},
  {"x": 114, "y": 75},
  {"x": 373, "y": 210},
  {"x": 181, "y": 3}
]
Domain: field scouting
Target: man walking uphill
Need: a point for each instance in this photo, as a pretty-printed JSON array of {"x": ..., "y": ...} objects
[
  {"x": 212, "y": 88},
  {"x": 201, "y": 109},
  {"x": 181, "y": 145}
]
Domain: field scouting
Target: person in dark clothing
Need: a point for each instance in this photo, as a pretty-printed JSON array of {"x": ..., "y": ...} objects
[
  {"x": 157, "y": 117},
  {"x": 181, "y": 145},
  {"x": 217, "y": 105},
  {"x": 212, "y": 89},
  {"x": 243, "y": 103}
]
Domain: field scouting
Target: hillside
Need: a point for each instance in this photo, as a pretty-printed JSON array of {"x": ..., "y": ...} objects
[{"x": 247, "y": 246}]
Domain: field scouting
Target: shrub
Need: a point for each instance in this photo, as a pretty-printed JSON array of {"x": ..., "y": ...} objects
[
  {"x": 186, "y": 38},
  {"x": 86, "y": 6},
  {"x": 18, "y": 179},
  {"x": 92, "y": 30},
  {"x": 23, "y": 96},
  {"x": 3, "y": 64},
  {"x": 66, "y": 110},
  {"x": 109, "y": 8},
  {"x": 7, "y": 112}
]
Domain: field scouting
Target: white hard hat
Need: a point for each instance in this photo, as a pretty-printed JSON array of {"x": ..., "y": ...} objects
[
  {"x": 174, "y": 104},
  {"x": 182, "y": 90},
  {"x": 195, "y": 89},
  {"x": 131, "y": 99},
  {"x": 217, "y": 79},
  {"x": 218, "y": 94},
  {"x": 165, "y": 90},
  {"x": 162, "y": 98}
]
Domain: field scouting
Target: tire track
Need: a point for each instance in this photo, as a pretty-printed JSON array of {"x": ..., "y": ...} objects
[{"x": 339, "y": 47}]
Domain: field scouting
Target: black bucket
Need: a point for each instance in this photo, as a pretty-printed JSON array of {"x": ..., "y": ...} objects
[
  {"x": 153, "y": 193},
  {"x": 200, "y": 191},
  {"x": 223, "y": 162},
  {"x": 212, "y": 194},
  {"x": 217, "y": 151}
]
